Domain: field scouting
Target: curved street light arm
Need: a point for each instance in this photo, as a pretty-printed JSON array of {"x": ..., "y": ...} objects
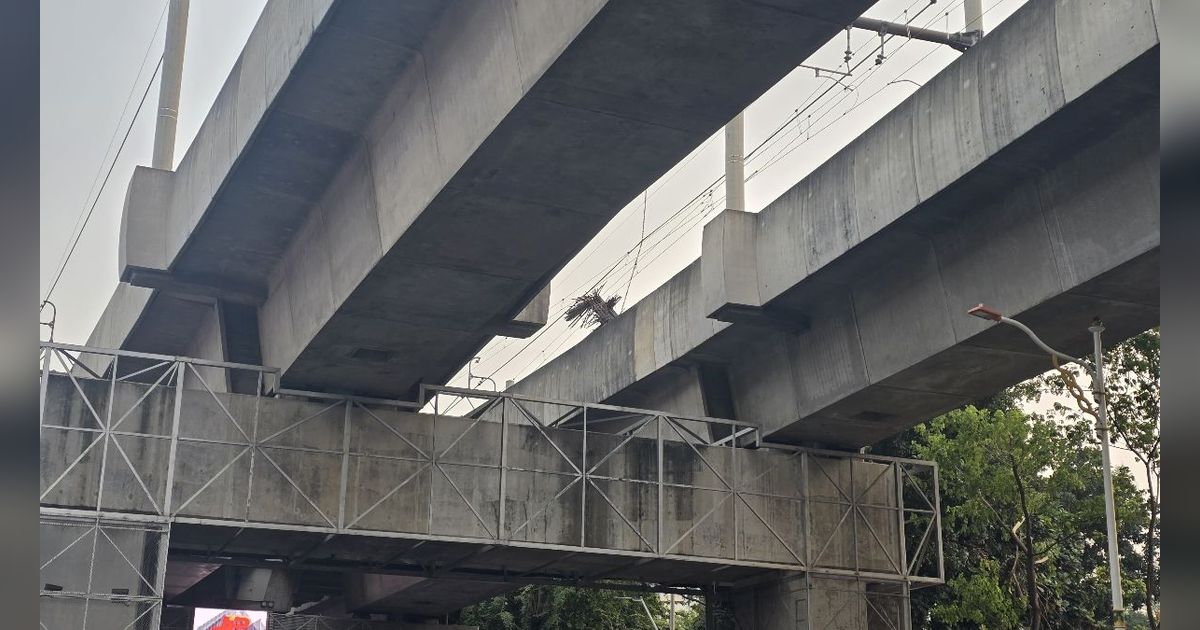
[{"x": 1041, "y": 344}]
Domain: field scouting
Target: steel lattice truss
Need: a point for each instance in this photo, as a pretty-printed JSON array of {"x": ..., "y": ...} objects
[
  {"x": 158, "y": 440},
  {"x": 101, "y": 573}
]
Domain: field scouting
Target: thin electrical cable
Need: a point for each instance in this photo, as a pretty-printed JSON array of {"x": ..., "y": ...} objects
[
  {"x": 641, "y": 240},
  {"x": 598, "y": 278},
  {"x": 591, "y": 250},
  {"x": 605, "y": 275},
  {"x": 793, "y": 145},
  {"x": 851, "y": 70},
  {"x": 116, "y": 130},
  {"x": 705, "y": 213},
  {"x": 96, "y": 200},
  {"x": 881, "y": 88},
  {"x": 799, "y": 141}
]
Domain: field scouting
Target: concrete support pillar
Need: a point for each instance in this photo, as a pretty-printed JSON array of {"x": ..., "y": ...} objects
[
  {"x": 729, "y": 266},
  {"x": 172, "y": 81},
  {"x": 209, "y": 344},
  {"x": 801, "y": 601},
  {"x": 735, "y": 163},
  {"x": 530, "y": 319},
  {"x": 272, "y": 588},
  {"x": 973, "y": 16},
  {"x": 369, "y": 592}
]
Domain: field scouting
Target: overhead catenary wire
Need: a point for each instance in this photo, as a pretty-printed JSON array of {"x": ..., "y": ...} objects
[
  {"x": 790, "y": 147},
  {"x": 85, "y": 212},
  {"x": 641, "y": 240},
  {"x": 799, "y": 111},
  {"x": 112, "y": 165}
]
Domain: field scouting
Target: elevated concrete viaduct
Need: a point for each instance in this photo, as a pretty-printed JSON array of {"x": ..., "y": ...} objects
[
  {"x": 382, "y": 187},
  {"x": 1025, "y": 175}
]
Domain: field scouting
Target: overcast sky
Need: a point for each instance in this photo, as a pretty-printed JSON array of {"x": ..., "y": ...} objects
[{"x": 98, "y": 57}]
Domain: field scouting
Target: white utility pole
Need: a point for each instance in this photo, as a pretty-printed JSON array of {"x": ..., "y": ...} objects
[
  {"x": 1101, "y": 414},
  {"x": 974, "y": 16},
  {"x": 735, "y": 164},
  {"x": 1110, "y": 510},
  {"x": 172, "y": 79}
]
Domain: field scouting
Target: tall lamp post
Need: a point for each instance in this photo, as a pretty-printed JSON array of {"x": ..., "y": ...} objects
[{"x": 1114, "y": 559}]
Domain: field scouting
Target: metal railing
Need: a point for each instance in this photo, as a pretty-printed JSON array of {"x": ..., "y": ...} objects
[{"x": 154, "y": 439}]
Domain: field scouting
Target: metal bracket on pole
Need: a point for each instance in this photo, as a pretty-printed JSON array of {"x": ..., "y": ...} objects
[
  {"x": 818, "y": 70},
  {"x": 958, "y": 41},
  {"x": 1110, "y": 512}
]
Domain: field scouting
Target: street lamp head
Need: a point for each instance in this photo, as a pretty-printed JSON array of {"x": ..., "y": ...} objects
[{"x": 985, "y": 312}]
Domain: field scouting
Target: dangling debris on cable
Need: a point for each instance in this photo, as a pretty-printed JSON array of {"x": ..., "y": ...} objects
[{"x": 590, "y": 309}]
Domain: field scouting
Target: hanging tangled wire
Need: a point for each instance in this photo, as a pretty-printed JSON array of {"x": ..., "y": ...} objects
[{"x": 590, "y": 309}]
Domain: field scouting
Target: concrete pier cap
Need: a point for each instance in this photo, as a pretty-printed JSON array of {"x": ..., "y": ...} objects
[{"x": 142, "y": 244}]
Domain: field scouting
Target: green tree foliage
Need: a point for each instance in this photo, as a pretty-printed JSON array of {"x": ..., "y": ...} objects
[
  {"x": 1023, "y": 507},
  {"x": 566, "y": 608},
  {"x": 1023, "y": 522},
  {"x": 690, "y": 618},
  {"x": 981, "y": 601}
]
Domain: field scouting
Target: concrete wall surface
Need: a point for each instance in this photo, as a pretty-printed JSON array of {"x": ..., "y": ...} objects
[{"x": 803, "y": 602}]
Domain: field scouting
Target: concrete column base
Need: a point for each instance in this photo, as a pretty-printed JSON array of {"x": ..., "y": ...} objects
[{"x": 800, "y": 601}]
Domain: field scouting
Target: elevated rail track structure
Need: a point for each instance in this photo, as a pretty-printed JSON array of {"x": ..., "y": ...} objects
[{"x": 380, "y": 188}]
